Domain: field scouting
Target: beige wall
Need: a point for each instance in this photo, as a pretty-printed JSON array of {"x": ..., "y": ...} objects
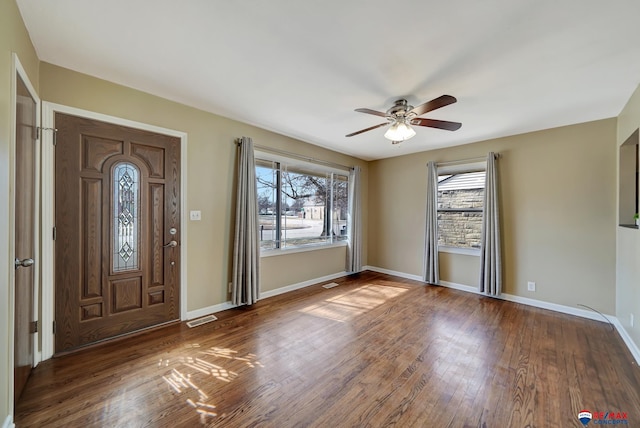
[
  {"x": 558, "y": 188},
  {"x": 282, "y": 270},
  {"x": 628, "y": 240},
  {"x": 13, "y": 38},
  {"x": 211, "y": 159},
  {"x": 459, "y": 268}
]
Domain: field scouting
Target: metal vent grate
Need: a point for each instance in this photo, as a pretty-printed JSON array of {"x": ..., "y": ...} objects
[
  {"x": 200, "y": 321},
  {"x": 330, "y": 285}
]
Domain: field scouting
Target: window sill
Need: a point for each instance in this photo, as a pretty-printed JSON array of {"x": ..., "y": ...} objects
[
  {"x": 629, "y": 226},
  {"x": 273, "y": 253},
  {"x": 464, "y": 251}
]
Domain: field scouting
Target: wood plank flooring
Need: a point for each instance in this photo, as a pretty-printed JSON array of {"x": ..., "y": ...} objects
[{"x": 376, "y": 351}]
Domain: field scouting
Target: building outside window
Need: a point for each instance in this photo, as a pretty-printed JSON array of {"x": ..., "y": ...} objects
[{"x": 300, "y": 203}]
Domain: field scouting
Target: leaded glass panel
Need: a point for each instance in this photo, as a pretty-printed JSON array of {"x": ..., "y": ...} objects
[{"x": 126, "y": 198}]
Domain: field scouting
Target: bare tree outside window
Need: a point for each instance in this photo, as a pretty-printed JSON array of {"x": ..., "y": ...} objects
[{"x": 299, "y": 206}]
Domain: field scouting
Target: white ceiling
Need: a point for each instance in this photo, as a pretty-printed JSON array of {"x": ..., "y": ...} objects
[{"x": 300, "y": 68}]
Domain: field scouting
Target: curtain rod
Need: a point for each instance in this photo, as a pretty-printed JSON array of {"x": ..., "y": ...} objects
[
  {"x": 297, "y": 156},
  {"x": 468, "y": 160}
]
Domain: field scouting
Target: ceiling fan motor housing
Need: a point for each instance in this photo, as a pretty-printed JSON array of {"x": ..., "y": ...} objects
[{"x": 401, "y": 109}]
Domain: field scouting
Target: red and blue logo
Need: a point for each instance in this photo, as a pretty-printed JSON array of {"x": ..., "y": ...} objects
[
  {"x": 585, "y": 417},
  {"x": 603, "y": 418}
]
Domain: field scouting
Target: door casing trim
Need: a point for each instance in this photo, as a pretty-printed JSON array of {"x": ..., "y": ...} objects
[{"x": 48, "y": 198}]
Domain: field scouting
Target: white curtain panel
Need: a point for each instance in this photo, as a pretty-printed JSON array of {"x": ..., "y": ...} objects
[
  {"x": 491, "y": 249},
  {"x": 246, "y": 245},
  {"x": 431, "y": 272},
  {"x": 354, "y": 223}
]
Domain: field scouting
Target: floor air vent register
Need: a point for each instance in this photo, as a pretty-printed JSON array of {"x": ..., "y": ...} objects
[{"x": 200, "y": 321}]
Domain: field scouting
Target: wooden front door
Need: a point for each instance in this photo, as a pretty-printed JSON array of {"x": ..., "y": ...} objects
[
  {"x": 25, "y": 216},
  {"x": 117, "y": 219}
]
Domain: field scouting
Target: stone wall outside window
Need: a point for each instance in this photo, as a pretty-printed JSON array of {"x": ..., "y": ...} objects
[{"x": 460, "y": 229}]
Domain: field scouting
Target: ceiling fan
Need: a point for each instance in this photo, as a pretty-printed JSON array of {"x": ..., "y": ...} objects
[{"x": 401, "y": 115}]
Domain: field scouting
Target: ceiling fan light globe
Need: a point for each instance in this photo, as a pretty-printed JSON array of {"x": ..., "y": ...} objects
[
  {"x": 399, "y": 131},
  {"x": 409, "y": 133}
]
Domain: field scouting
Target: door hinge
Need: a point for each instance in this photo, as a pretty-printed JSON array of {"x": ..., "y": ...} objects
[
  {"x": 54, "y": 327},
  {"x": 33, "y": 327},
  {"x": 39, "y": 133},
  {"x": 54, "y": 233}
]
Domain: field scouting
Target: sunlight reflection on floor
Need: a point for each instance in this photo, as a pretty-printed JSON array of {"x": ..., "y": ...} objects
[
  {"x": 350, "y": 304},
  {"x": 196, "y": 366},
  {"x": 185, "y": 371}
]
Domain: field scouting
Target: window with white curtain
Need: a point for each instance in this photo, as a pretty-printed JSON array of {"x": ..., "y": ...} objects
[{"x": 300, "y": 203}]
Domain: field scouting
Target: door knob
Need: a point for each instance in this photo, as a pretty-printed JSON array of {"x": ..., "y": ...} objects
[
  {"x": 171, "y": 244},
  {"x": 23, "y": 263}
]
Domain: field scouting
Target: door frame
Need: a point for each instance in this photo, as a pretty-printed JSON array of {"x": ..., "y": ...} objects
[
  {"x": 48, "y": 212},
  {"x": 18, "y": 69}
]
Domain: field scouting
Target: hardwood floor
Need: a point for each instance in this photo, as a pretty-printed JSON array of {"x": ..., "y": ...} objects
[{"x": 375, "y": 351}]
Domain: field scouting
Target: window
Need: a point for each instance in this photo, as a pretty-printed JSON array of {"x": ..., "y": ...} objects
[
  {"x": 460, "y": 207},
  {"x": 300, "y": 203},
  {"x": 125, "y": 217}
]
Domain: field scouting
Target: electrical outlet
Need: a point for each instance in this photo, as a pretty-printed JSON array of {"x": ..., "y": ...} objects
[
  {"x": 195, "y": 215},
  {"x": 631, "y": 320},
  {"x": 531, "y": 286},
  {"x": 229, "y": 287}
]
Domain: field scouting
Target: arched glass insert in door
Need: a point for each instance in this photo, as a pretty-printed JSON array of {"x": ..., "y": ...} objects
[{"x": 126, "y": 204}]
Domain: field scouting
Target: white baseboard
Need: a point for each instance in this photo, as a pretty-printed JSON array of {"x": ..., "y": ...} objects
[
  {"x": 583, "y": 313},
  {"x": 209, "y": 310},
  {"x": 467, "y": 288},
  {"x": 393, "y": 272},
  {"x": 633, "y": 347},
  {"x": 263, "y": 295},
  {"x": 303, "y": 284},
  {"x": 8, "y": 422}
]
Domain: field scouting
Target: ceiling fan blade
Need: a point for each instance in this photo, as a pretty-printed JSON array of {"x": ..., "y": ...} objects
[
  {"x": 369, "y": 111},
  {"x": 434, "y": 104},
  {"x": 440, "y": 124},
  {"x": 367, "y": 129}
]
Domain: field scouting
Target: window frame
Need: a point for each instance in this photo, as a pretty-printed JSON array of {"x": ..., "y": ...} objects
[
  {"x": 462, "y": 168},
  {"x": 300, "y": 166}
]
